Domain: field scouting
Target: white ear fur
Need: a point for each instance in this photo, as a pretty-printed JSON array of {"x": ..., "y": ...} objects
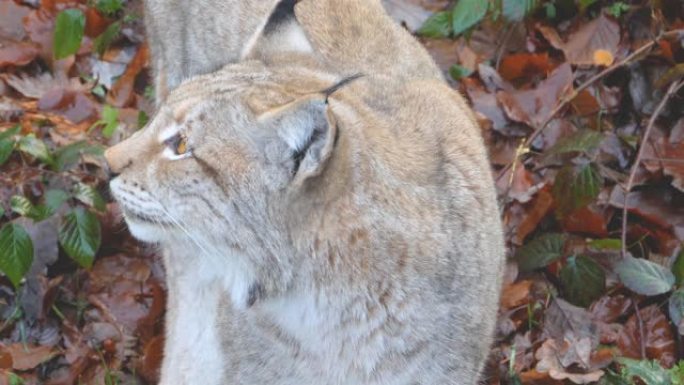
[
  {"x": 307, "y": 127},
  {"x": 287, "y": 36}
]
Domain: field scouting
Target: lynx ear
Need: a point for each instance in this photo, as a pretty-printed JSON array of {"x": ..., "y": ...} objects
[
  {"x": 282, "y": 33},
  {"x": 308, "y": 128}
]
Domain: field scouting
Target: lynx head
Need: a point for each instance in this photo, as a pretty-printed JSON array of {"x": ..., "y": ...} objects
[{"x": 223, "y": 155}]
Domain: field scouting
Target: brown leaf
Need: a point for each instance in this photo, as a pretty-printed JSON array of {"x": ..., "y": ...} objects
[
  {"x": 657, "y": 337},
  {"x": 28, "y": 357},
  {"x": 35, "y": 87},
  {"x": 75, "y": 106},
  {"x": 658, "y": 206},
  {"x": 151, "y": 359},
  {"x": 588, "y": 220},
  {"x": 585, "y": 104},
  {"x": 11, "y": 15},
  {"x": 485, "y": 104},
  {"x": 520, "y": 186},
  {"x": 534, "y": 107},
  {"x": 548, "y": 356},
  {"x": 5, "y": 359},
  {"x": 516, "y": 294},
  {"x": 533, "y": 377},
  {"x": 592, "y": 44},
  {"x": 608, "y": 309},
  {"x": 16, "y": 53},
  {"x": 40, "y": 25},
  {"x": 525, "y": 65},
  {"x": 539, "y": 208},
  {"x": 667, "y": 154},
  {"x": 122, "y": 93},
  {"x": 563, "y": 318}
]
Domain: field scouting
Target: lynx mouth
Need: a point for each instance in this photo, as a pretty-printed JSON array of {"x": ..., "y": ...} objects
[{"x": 135, "y": 216}]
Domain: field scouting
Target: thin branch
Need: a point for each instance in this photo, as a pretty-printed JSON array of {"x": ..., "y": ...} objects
[
  {"x": 566, "y": 100},
  {"x": 674, "y": 88}
]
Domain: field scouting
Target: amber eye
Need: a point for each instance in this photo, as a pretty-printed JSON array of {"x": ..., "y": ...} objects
[{"x": 178, "y": 144}]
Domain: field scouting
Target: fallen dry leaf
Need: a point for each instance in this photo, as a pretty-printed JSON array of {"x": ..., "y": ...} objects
[
  {"x": 595, "y": 43},
  {"x": 534, "y": 107},
  {"x": 28, "y": 357},
  {"x": 654, "y": 332}
]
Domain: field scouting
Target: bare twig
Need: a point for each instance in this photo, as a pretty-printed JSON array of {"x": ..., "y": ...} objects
[
  {"x": 566, "y": 100},
  {"x": 674, "y": 88}
]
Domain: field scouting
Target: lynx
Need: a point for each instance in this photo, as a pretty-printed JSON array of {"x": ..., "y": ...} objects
[
  {"x": 325, "y": 206},
  {"x": 311, "y": 238}
]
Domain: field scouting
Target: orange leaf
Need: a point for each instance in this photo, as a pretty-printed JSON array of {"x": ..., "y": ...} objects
[{"x": 525, "y": 65}]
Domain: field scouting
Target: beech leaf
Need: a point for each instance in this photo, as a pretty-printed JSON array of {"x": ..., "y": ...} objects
[
  {"x": 16, "y": 252},
  {"x": 644, "y": 277},
  {"x": 540, "y": 252},
  {"x": 79, "y": 235},
  {"x": 576, "y": 187},
  {"x": 583, "y": 280}
]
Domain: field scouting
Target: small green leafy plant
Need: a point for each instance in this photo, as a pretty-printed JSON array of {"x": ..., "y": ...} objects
[{"x": 66, "y": 199}]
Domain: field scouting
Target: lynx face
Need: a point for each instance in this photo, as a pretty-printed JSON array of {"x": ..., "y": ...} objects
[{"x": 218, "y": 158}]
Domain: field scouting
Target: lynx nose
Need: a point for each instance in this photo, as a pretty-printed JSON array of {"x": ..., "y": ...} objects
[
  {"x": 115, "y": 161},
  {"x": 108, "y": 171}
]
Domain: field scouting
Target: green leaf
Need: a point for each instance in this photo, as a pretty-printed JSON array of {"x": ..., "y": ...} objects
[
  {"x": 109, "y": 121},
  {"x": 79, "y": 235},
  {"x": 644, "y": 277},
  {"x": 678, "y": 268},
  {"x": 605, "y": 244},
  {"x": 438, "y": 25},
  {"x": 15, "y": 380},
  {"x": 581, "y": 141},
  {"x": 142, "y": 119},
  {"x": 677, "y": 373},
  {"x": 540, "y": 252},
  {"x": 458, "y": 72},
  {"x": 69, "y": 155},
  {"x": 516, "y": 10},
  {"x": 16, "y": 252},
  {"x": 676, "y": 306},
  {"x": 576, "y": 187},
  {"x": 69, "y": 28},
  {"x": 89, "y": 195},
  {"x": 6, "y": 148},
  {"x": 109, "y": 7},
  {"x": 583, "y": 281},
  {"x": 618, "y": 9},
  {"x": 36, "y": 148},
  {"x": 102, "y": 42},
  {"x": 54, "y": 199},
  {"x": 649, "y": 372},
  {"x": 467, "y": 13},
  {"x": 22, "y": 206},
  {"x": 8, "y": 134},
  {"x": 584, "y": 4}
]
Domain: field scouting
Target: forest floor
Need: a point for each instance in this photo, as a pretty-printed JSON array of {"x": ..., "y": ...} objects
[{"x": 581, "y": 105}]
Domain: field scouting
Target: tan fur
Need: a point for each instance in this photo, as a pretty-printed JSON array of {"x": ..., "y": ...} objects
[
  {"x": 189, "y": 38},
  {"x": 376, "y": 260}
]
